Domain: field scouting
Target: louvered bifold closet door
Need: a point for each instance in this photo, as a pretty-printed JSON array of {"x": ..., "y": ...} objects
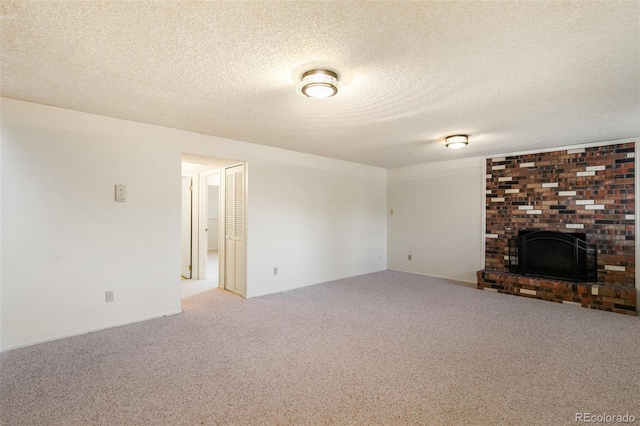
[
  {"x": 238, "y": 203},
  {"x": 235, "y": 229},
  {"x": 229, "y": 201}
]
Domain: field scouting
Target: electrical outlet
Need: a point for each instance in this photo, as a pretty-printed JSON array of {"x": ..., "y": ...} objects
[
  {"x": 275, "y": 271},
  {"x": 409, "y": 257},
  {"x": 108, "y": 296}
]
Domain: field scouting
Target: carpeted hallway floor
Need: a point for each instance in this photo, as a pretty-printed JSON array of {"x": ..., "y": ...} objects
[
  {"x": 190, "y": 288},
  {"x": 388, "y": 348}
]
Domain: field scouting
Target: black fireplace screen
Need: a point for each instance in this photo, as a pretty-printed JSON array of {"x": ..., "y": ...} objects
[{"x": 553, "y": 255}]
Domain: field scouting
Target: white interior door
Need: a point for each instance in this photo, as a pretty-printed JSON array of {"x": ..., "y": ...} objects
[
  {"x": 208, "y": 225},
  {"x": 234, "y": 276},
  {"x": 185, "y": 269}
]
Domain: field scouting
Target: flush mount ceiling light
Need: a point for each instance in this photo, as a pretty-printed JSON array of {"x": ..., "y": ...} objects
[
  {"x": 319, "y": 84},
  {"x": 456, "y": 141}
]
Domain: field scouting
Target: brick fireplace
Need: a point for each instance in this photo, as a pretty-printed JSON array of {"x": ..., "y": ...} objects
[{"x": 589, "y": 191}]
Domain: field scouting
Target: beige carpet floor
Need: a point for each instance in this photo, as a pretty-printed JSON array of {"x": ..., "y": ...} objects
[{"x": 388, "y": 348}]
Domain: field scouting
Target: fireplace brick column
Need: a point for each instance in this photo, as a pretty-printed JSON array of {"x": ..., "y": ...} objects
[{"x": 587, "y": 190}]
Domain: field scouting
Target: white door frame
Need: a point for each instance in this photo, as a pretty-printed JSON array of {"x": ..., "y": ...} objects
[
  {"x": 195, "y": 233},
  {"x": 186, "y": 215}
]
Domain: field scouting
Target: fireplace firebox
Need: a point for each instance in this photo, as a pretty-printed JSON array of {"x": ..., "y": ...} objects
[{"x": 551, "y": 254}]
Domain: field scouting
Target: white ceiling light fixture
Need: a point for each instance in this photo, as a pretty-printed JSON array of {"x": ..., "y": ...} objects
[
  {"x": 318, "y": 84},
  {"x": 456, "y": 141}
]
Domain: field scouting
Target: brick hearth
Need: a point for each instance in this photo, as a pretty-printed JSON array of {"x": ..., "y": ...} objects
[
  {"x": 608, "y": 297},
  {"x": 588, "y": 190}
]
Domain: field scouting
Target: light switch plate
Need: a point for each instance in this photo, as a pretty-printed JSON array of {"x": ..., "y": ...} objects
[{"x": 120, "y": 193}]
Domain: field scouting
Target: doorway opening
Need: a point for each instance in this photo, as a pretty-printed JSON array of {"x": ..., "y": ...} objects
[
  {"x": 213, "y": 248},
  {"x": 213, "y": 225}
]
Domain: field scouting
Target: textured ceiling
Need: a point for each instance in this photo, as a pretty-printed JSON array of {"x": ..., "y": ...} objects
[{"x": 513, "y": 75}]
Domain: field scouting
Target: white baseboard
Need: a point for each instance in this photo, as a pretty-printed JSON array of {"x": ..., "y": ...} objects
[
  {"x": 465, "y": 283},
  {"x": 80, "y": 333},
  {"x": 310, "y": 284}
]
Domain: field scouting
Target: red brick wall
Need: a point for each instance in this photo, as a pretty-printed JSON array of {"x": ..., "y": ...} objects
[{"x": 589, "y": 190}]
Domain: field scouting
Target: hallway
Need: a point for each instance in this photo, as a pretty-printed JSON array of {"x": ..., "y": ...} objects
[{"x": 192, "y": 287}]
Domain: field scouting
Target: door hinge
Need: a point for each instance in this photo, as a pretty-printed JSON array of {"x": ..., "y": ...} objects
[
  {"x": 189, "y": 267},
  {"x": 191, "y": 188}
]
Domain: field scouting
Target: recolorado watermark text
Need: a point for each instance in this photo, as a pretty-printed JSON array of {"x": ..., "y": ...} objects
[{"x": 604, "y": 418}]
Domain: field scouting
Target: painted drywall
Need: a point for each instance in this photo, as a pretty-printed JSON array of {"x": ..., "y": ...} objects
[
  {"x": 213, "y": 211},
  {"x": 437, "y": 219},
  {"x": 317, "y": 227},
  {"x": 70, "y": 241},
  {"x": 318, "y": 219},
  {"x": 0, "y": 233}
]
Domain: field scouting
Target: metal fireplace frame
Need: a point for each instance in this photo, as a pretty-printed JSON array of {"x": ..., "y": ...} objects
[{"x": 585, "y": 262}]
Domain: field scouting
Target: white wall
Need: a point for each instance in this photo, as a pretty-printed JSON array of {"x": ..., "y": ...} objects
[
  {"x": 65, "y": 241},
  {"x": 437, "y": 219},
  {"x": 318, "y": 226},
  {"x": 213, "y": 198},
  {"x": 213, "y": 211},
  {"x": 1, "y": 257}
]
